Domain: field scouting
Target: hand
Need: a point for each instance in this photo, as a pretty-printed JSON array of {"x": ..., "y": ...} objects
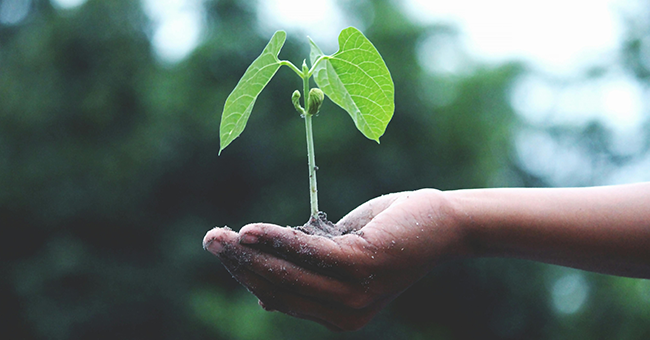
[{"x": 344, "y": 281}]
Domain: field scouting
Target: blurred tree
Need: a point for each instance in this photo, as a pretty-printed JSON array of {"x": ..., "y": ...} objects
[
  {"x": 109, "y": 178},
  {"x": 81, "y": 154}
]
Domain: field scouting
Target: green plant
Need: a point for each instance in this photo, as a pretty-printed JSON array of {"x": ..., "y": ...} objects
[{"x": 355, "y": 78}]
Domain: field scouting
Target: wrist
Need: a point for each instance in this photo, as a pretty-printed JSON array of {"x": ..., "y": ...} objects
[
  {"x": 462, "y": 206},
  {"x": 449, "y": 227}
]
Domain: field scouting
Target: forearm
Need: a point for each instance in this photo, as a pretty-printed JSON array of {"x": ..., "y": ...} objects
[{"x": 603, "y": 229}]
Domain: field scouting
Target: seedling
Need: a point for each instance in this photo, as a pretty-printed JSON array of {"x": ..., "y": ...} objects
[{"x": 355, "y": 78}]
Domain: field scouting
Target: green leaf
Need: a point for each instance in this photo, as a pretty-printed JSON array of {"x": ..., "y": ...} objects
[
  {"x": 239, "y": 103},
  {"x": 356, "y": 79}
]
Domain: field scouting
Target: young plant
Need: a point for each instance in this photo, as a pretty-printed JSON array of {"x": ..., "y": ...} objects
[{"x": 355, "y": 78}]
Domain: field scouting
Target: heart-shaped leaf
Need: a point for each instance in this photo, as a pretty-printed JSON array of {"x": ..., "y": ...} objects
[
  {"x": 356, "y": 79},
  {"x": 239, "y": 103}
]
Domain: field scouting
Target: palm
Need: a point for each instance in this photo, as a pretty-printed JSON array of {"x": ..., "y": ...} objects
[{"x": 343, "y": 281}]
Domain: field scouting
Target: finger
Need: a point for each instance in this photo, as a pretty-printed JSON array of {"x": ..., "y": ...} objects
[
  {"x": 271, "y": 297},
  {"x": 224, "y": 243},
  {"x": 322, "y": 254},
  {"x": 279, "y": 271},
  {"x": 305, "y": 282},
  {"x": 363, "y": 214},
  {"x": 242, "y": 261},
  {"x": 333, "y": 316},
  {"x": 217, "y": 238}
]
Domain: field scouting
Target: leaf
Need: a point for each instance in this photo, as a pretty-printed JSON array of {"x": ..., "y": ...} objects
[
  {"x": 239, "y": 103},
  {"x": 356, "y": 79}
]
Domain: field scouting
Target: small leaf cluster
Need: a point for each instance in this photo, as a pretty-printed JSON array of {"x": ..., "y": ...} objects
[{"x": 355, "y": 78}]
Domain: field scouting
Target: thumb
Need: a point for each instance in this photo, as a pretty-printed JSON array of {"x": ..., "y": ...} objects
[{"x": 363, "y": 214}]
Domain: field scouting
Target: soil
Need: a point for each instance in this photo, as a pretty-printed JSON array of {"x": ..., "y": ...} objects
[{"x": 321, "y": 226}]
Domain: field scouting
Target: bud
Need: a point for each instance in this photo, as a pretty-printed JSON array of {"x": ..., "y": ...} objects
[
  {"x": 295, "y": 99},
  {"x": 305, "y": 69},
  {"x": 316, "y": 97}
]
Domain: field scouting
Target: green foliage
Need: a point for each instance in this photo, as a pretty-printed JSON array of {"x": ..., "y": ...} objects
[
  {"x": 356, "y": 79},
  {"x": 109, "y": 181},
  {"x": 240, "y": 102}
]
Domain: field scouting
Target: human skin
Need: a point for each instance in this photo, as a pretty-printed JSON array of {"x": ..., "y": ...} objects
[{"x": 344, "y": 281}]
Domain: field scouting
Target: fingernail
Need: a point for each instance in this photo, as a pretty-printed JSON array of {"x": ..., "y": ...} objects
[
  {"x": 248, "y": 239},
  {"x": 212, "y": 246},
  {"x": 210, "y": 243}
]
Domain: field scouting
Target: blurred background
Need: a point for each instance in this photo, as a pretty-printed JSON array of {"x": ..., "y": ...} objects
[{"x": 109, "y": 175}]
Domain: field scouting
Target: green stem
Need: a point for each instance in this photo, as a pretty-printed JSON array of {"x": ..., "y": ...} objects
[
  {"x": 313, "y": 67},
  {"x": 292, "y": 66},
  {"x": 311, "y": 155}
]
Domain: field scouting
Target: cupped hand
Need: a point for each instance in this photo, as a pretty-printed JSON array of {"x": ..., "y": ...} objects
[{"x": 342, "y": 282}]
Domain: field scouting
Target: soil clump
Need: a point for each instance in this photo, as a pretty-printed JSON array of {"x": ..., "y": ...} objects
[{"x": 321, "y": 226}]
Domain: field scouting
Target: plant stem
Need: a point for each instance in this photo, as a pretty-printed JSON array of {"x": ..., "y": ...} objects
[{"x": 311, "y": 155}]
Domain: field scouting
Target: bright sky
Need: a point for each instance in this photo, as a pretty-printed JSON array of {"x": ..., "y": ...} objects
[
  {"x": 68, "y": 3},
  {"x": 556, "y": 35},
  {"x": 560, "y": 39},
  {"x": 178, "y": 25}
]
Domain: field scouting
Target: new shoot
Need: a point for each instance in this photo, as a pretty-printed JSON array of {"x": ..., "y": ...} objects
[{"x": 355, "y": 78}]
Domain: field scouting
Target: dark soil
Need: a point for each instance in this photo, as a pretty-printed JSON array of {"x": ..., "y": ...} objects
[{"x": 321, "y": 226}]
